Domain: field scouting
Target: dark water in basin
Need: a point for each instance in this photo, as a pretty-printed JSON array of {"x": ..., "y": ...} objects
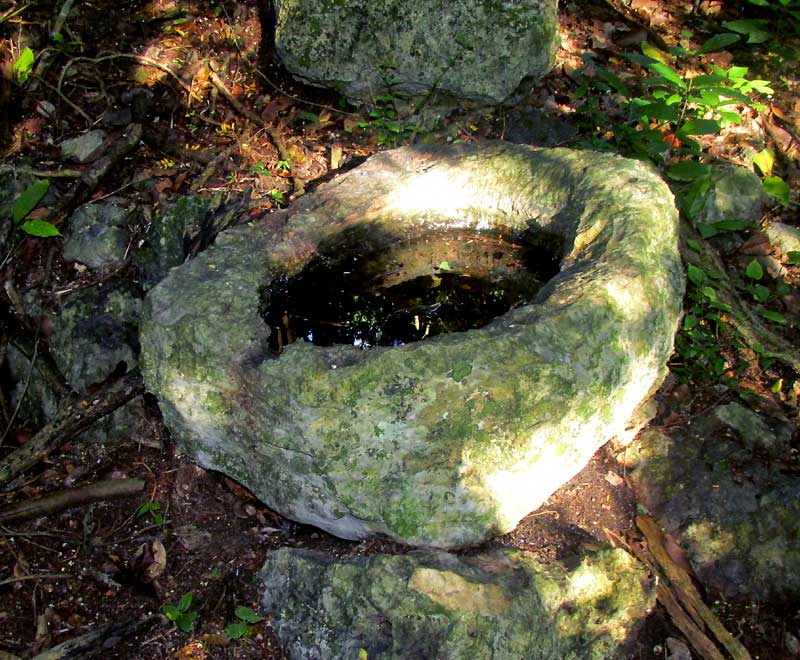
[{"x": 410, "y": 290}]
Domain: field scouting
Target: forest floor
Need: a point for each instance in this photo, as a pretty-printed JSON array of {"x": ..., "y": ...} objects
[{"x": 72, "y": 572}]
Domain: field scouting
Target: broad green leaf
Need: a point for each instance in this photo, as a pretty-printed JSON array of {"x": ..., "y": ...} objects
[
  {"x": 754, "y": 270},
  {"x": 308, "y": 116},
  {"x": 171, "y": 612},
  {"x": 667, "y": 73},
  {"x": 248, "y": 615},
  {"x": 760, "y": 293},
  {"x": 185, "y": 602},
  {"x": 718, "y": 42},
  {"x": 764, "y": 160},
  {"x": 689, "y": 322},
  {"x": 653, "y": 52},
  {"x": 729, "y": 116},
  {"x": 731, "y": 225},
  {"x": 236, "y": 630},
  {"x": 737, "y": 72},
  {"x": 701, "y": 127},
  {"x": 693, "y": 244},
  {"x": 40, "y": 228},
  {"x": 688, "y": 170},
  {"x": 778, "y": 188},
  {"x": 709, "y": 293},
  {"x": 29, "y": 198},
  {"x": 23, "y": 65},
  {"x": 362, "y": 654},
  {"x": 757, "y": 30},
  {"x": 696, "y": 275},
  {"x": 794, "y": 257},
  {"x": 186, "y": 621},
  {"x": 772, "y": 316},
  {"x": 706, "y": 230}
]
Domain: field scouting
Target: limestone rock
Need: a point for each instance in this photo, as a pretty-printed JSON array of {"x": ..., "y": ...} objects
[
  {"x": 467, "y": 49},
  {"x": 500, "y": 605},
  {"x": 735, "y": 193},
  {"x": 164, "y": 245},
  {"x": 93, "y": 331},
  {"x": 449, "y": 440},
  {"x": 84, "y": 148},
  {"x": 98, "y": 235},
  {"x": 738, "y": 519}
]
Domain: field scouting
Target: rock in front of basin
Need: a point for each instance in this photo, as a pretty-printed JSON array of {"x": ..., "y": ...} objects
[
  {"x": 388, "y": 47},
  {"x": 449, "y": 440},
  {"x": 502, "y": 604}
]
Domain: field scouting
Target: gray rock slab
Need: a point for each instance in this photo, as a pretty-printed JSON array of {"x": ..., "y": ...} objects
[
  {"x": 784, "y": 236},
  {"x": 449, "y": 440},
  {"x": 98, "y": 235},
  {"x": 84, "y": 148},
  {"x": 735, "y": 193},
  {"x": 467, "y": 49},
  {"x": 721, "y": 488},
  {"x": 499, "y": 605}
]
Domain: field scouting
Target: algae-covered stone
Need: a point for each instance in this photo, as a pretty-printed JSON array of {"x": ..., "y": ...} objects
[
  {"x": 470, "y": 49},
  {"x": 98, "y": 235},
  {"x": 94, "y": 330},
  {"x": 448, "y": 440},
  {"x": 738, "y": 519},
  {"x": 164, "y": 244},
  {"x": 500, "y": 605},
  {"x": 734, "y": 193}
]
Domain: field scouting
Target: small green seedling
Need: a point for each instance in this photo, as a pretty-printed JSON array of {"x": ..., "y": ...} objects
[
  {"x": 154, "y": 509},
  {"x": 278, "y": 196},
  {"x": 23, "y": 66},
  {"x": 25, "y": 203},
  {"x": 181, "y": 614},
  {"x": 260, "y": 169},
  {"x": 247, "y": 617},
  {"x": 283, "y": 166}
]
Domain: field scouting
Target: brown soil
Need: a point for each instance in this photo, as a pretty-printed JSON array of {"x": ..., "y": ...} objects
[{"x": 69, "y": 573}]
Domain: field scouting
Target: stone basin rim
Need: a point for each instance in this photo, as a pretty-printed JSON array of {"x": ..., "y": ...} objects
[{"x": 540, "y": 387}]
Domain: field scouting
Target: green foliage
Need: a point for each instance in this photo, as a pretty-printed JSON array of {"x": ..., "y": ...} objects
[
  {"x": 278, "y": 196},
  {"x": 23, "y": 66},
  {"x": 384, "y": 120},
  {"x": 25, "y": 203},
  {"x": 181, "y": 614},
  {"x": 261, "y": 169},
  {"x": 154, "y": 509},
  {"x": 246, "y": 618},
  {"x": 699, "y": 342},
  {"x": 672, "y": 110}
]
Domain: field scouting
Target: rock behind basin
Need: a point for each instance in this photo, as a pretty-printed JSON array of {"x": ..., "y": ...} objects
[{"x": 445, "y": 441}]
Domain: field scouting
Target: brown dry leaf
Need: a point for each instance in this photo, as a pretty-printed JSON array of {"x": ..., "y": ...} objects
[
  {"x": 159, "y": 563},
  {"x": 194, "y": 650},
  {"x": 757, "y": 245}
]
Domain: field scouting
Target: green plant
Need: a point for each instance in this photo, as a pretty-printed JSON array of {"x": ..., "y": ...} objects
[
  {"x": 384, "y": 120},
  {"x": 246, "y": 617},
  {"x": 699, "y": 342},
  {"x": 154, "y": 509},
  {"x": 261, "y": 169},
  {"x": 278, "y": 196},
  {"x": 23, "y": 65},
  {"x": 181, "y": 614},
  {"x": 761, "y": 293},
  {"x": 25, "y": 203}
]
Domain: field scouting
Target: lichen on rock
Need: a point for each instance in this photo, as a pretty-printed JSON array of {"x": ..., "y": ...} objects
[
  {"x": 499, "y": 604},
  {"x": 453, "y": 439}
]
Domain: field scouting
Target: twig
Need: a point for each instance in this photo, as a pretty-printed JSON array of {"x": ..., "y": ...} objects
[
  {"x": 66, "y": 100},
  {"x": 74, "y": 418},
  {"x": 140, "y": 59},
  {"x": 38, "y": 576},
  {"x": 11, "y": 13},
  {"x": 71, "y": 497},
  {"x": 275, "y": 136},
  {"x": 66, "y": 8}
]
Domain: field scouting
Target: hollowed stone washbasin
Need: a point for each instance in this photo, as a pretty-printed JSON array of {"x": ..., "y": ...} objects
[{"x": 454, "y": 438}]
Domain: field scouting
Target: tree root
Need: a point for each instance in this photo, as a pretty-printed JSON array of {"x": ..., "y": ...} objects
[{"x": 71, "y": 497}]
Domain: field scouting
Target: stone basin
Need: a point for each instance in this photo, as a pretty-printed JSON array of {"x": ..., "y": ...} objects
[{"x": 449, "y": 440}]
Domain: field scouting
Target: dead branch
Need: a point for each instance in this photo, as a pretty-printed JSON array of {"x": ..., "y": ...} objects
[
  {"x": 71, "y": 420},
  {"x": 684, "y": 594},
  {"x": 90, "y": 644},
  {"x": 71, "y": 497}
]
